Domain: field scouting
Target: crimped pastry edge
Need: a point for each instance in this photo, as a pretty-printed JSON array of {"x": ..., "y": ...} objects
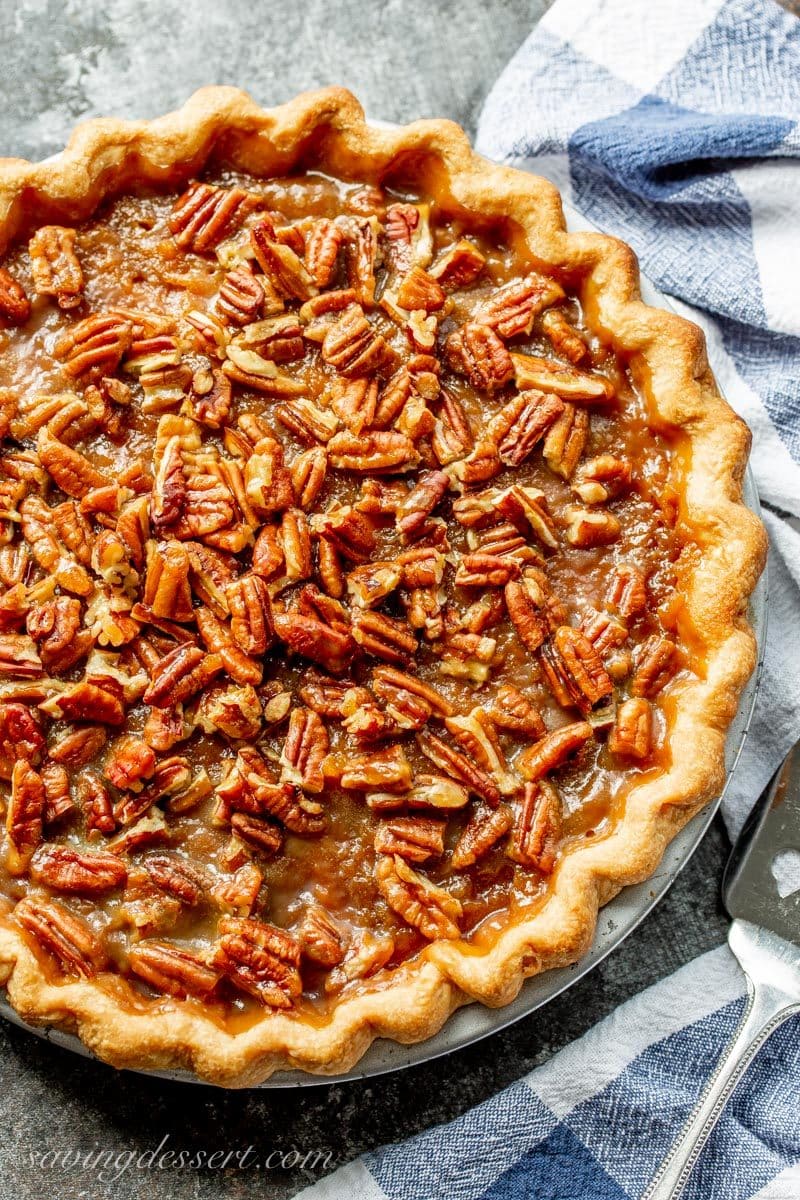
[{"x": 667, "y": 355}]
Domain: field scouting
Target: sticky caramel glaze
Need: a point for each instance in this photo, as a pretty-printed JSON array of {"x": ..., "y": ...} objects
[{"x": 130, "y": 260}]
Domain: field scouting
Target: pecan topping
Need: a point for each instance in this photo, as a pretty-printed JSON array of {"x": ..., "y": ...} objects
[
  {"x": 574, "y": 669},
  {"x": 308, "y": 476},
  {"x": 553, "y": 750},
  {"x": 322, "y": 250},
  {"x": 603, "y": 631},
  {"x": 55, "y": 266},
  {"x": 521, "y": 424},
  {"x": 21, "y": 739},
  {"x": 280, "y": 263},
  {"x": 480, "y": 834},
  {"x": 565, "y": 440},
  {"x": 656, "y": 661},
  {"x": 420, "y": 290},
  {"x": 70, "y": 469},
  {"x": 421, "y": 501},
  {"x": 459, "y": 266},
  {"x": 314, "y": 639},
  {"x": 563, "y": 336},
  {"x": 632, "y": 734},
  {"x": 567, "y": 382},
  {"x": 94, "y": 347},
  {"x": 262, "y": 836},
  {"x": 96, "y": 803},
  {"x": 534, "y": 842},
  {"x": 251, "y": 614},
  {"x": 15, "y": 307},
  {"x": 476, "y": 351},
  {"x": 240, "y": 296},
  {"x": 383, "y": 637},
  {"x": 511, "y": 309},
  {"x": 177, "y": 877},
  {"x": 627, "y": 592},
  {"x": 304, "y": 751},
  {"x": 524, "y": 601},
  {"x": 430, "y": 909},
  {"x": 204, "y": 214},
  {"x": 24, "y": 816},
  {"x": 601, "y": 478},
  {"x": 180, "y": 674},
  {"x": 63, "y": 935},
  {"x": 172, "y": 969},
  {"x": 260, "y": 959},
  {"x": 70, "y": 870},
  {"x": 318, "y": 937},
  {"x": 414, "y": 838}
]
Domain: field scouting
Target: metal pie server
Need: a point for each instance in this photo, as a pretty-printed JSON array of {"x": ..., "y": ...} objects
[{"x": 765, "y": 937}]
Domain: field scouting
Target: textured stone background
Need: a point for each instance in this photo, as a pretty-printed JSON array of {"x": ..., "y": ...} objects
[{"x": 404, "y": 59}]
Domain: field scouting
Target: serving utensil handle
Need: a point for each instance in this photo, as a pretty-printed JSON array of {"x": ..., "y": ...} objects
[{"x": 772, "y": 967}]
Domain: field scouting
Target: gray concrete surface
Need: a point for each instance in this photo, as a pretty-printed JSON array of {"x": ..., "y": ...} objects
[{"x": 404, "y": 58}]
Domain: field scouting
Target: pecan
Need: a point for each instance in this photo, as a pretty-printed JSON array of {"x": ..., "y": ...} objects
[
  {"x": 522, "y": 423},
  {"x": 77, "y": 745},
  {"x": 525, "y": 604},
  {"x": 534, "y": 842},
  {"x": 295, "y": 541},
  {"x": 314, "y": 639},
  {"x": 95, "y": 801},
  {"x": 632, "y": 735},
  {"x": 393, "y": 398},
  {"x": 19, "y": 658},
  {"x": 311, "y": 602},
  {"x": 511, "y": 309},
  {"x": 476, "y": 351},
  {"x": 601, "y": 478},
  {"x": 308, "y": 476},
  {"x": 361, "y": 246},
  {"x": 414, "y": 838},
  {"x": 278, "y": 338},
  {"x": 58, "y": 797},
  {"x": 259, "y": 959},
  {"x": 408, "y": 237},
  {"x": 211, "y": 398},
  {"x": 218, "y": 639},
  {"x": 468, "y": 656},
  {"x": 24, "y": 816},
  {"x": 575, "y": 670},
  {"x": 250, "y": 789},
  {"x": 166, "y": 588},
  {"x": 325, "y": 695},
  {"x": 480, "y": 465},
  {"x": 240, "y": 296},
  {"x": 428, "y": 908},
  {"x": 368, "y": 585},
  {"x": 170, "y": 775},
  {"x": 587, "y": 528},
  {"x": 251, "y": 614},
  {"x": 436, "y": 791},
  {"x": 485, "y": 571},
  {"x": 69, "y": 469},
  {"x": 603, "y": 631},
  {"x": 172, "y": 969},
  {"x": 281, "y": 264},
  {"x": 353, "y": 346},
  {"x": 553, "y": 750},
  {"x": 304, "y": 751},
  {"x": 627, "y": 592},
  {"x": 563, "y": 336},
  {"x": 180, "y": 674},
  {"x": 565, "y": 440},
  {"x": 94, "y": 347},
  {"x": 354, "y": 402},
  {"x": 379, "y": 451},
  {"x": 419, "y": 290},
  {"x": 350, "y": 532},
  {"x": 15, "y": 307},
  {"x": 458, "y": 766},
  {"x": 329, "y": 569},
  {"x": 420, "y": 502},
  {"x": 322, "y": 250},
  {"x": 504, "y": 541},
  {"x": 452, "y": 437},
  {"x": 202, "y": 216},
  {"x": 54, "y": 265},
  {"x": 87, "y": 701},
  {"x": 409, "y": 700},
  {"x": 165, "y": 727},
  {"x": 307, "y": 421},
  {"x": 365, "y": 721},
  {"x": 130, "y": 761},
  {"x": 258, "y": 373},
  {"x": 21, "y": 739},
  {"x": 149, "y": 831},
  {"x": 480, "y": 834},
  {"x": 319, "y": 938},
  {"x": 655, "y": 662},
  {"x": 384, "y": 770},
  {"x": 383, "y": 637},
  {"x": 62, "y": 934},
  {"x": 184, "y": 798},
  {"x": 177, "y": 877},
  {"x": 477, "y": 735},
  {"x": 239, "y": 893},
  {"x": 569, "y": 383},
  {"x": 267, "y": 552},
  {"x": 87, "y": 873},
  {"x": 459, "y": 266}
]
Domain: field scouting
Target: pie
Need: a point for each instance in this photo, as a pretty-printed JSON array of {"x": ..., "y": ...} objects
[{"x": 374, "y": 581}]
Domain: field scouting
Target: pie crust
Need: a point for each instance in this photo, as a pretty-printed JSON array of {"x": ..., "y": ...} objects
[{"x": 666, "y": 357}]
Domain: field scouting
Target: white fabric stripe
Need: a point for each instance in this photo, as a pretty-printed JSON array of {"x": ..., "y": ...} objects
[
  {"x": 353, "y": 1182},
  {"x": 770, "y": 189},
  {"x": 586, "y": 1066},
  {"x": 785, "y": 1186},
  {"x": 646, "y": 46}
]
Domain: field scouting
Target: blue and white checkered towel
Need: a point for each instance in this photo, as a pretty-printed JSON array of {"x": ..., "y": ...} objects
[{"x": 674, "y": 124}]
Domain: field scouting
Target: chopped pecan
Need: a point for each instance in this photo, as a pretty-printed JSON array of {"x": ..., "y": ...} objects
[
  {"x": 379, "y": 451},
  {"x": 211, "y": 398},
  {"x": 314, "y": 639},
  {"x": 129, "y": 763},
  {"x": 655, "y": 662},
  {"x": 304, "y": 751},
  {"x": 180, "y": 674},
  {"x": 354, "y": 402},
  {"x": 204, "y": 214},
  {"x": 414, "y": 838},
  {"x": 627, "y": 592},
  {"x": 15, "y": 307},
  {"x": 87, "y": 873},
  {"x": 436, "y": 791},
  {"x": 54, "y": 265},
  {"x": 568, "y": 382},
  {"x": 480, "y": 465},
  {"x": 260, "y": 959},
  {"x": 21, "y": 738},
  {"x": 459, "y": 266},
  {"x": 458, "y": 766},
  {"x": 408, "y": 237},
  {"x": 383, "y": 637},
  {"x": 565, "y": 440},
  {"x": 553, "y": 750},
  {"x": 564, "y": 337},
  {"x": 250, "y": 789},
  {"x": 419, "y": 290},
  {"x": 258, "y": 373},
  {"x": 476, "y": 351},
  {"x": 218, "y": 639},
  {"x": 534, "y": 842},
  {"x": 319, "y": 938},
  {"x": 371, "y": 583},
  {"x": 24, "y": 816},
  {"x": 382, "y": 770},
  {"x": 170, "y": 775},
  {"x": 87, "y": 701},
  {"x": 575, "y": 670},
  {"x": 512, "y": 308},
  {"x": 480, "y": 834},
  {"x": 504, "y": 541},
  {"x": 240, "y": 296},
  {"x": 62, "y": 934},
  {"x": 587, "y": 528},
  {"x": 468, "y": 656},
  {"x": 428, "y": 908},
  {"x": 19, "y": 658},
  {"x": 172, "y": 969},
  {"x": 632, "y": 734}
]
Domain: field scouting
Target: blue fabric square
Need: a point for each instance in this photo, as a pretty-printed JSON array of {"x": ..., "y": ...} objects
[{"x": 559, "y": 1168}]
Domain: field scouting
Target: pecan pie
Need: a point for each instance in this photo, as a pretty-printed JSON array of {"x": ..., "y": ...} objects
[{"x": 374, "y": 581}]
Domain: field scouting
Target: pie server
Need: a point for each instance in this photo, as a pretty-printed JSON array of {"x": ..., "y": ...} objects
[{"x": 765, "y": 937}]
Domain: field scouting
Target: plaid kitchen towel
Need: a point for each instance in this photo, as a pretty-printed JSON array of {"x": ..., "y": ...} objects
[{"x": 674, "y": 124}]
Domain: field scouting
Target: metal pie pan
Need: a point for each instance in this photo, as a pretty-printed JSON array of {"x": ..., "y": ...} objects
[{"x": 616, "y": 920}]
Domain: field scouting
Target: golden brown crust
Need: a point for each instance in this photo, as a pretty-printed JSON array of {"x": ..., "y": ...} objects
[{"x": 668, "y": 359}]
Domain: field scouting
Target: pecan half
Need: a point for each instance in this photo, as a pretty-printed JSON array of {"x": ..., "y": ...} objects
[
  {"x": 129, "y": 763},
  {"x": 15, "y": 307},
  {"x": 172, "y": 969},
  {"x": 260, "y": 835},
  {"x": 177, "y": 877},
  {"x": 24, "y": 816},
  {"x": 304, "y": 751},
  {"x": 459, "y": 266},
  {"x": 180, "y": 674},
  {"x": 323, "y": 244},
  {"x": 239, "y": 893},
  {"x": 171, "y": 775},
  {"x": 417, "y": 506},
  {"x": 564, "y": 337},
  {"x": 314, "y": 639},
  {"x": 587, "y": 528},
  {"x": 166, "y": 587},
  {"x": 566, "y": 440},
  {"x": 512, "y": 308},
  {"x": 553, "y": 750},
  {"x": 319, "y": 938},
  {"x": 479, "y": 835},
  {"x": 202, "y": 216},
  {"x": 70, "y": 469},
  {"x": 632, "y": 734},
  {"x": 94, "y": 347},
  {"x": 260, "y": 959},
  {"x": 575, "y": 670},
  {"x": 524, "y": 601},
  {"x": 428, "y": 908},
  {"x": 537, "y": 832},
  {"x": 380, "y": 451},
  {"x": 458, "y": 766},
  {"x": 601, "y": 478},
  {"x": 383, "y": 637},
  {"x": 414, "y": 838},
  {"x": 522, "y": 423},
  {"x": 655, "y": 662},
  {"x": 308, "y": 475},
  {"x": 476, "y": 351},
  {"x": 627, "y": 592},
  {"x": 381, "y": 770},
  {"x": 96, "y": 804},
  {"x": 568, "y": 382},
  {"x": 87, "y": 873},
  {"x": 21, "y": 739},
  {"x": 251, "y": 614},
  {"x": 452, "y": 438},
  {"x": 240, "y": 296},
  {"x": 368, "y": 585},
  {"x": 54, "y": 265},
  {"x": 603, "y": 631},
  {"x": 62, "y": 934},
  {"x": 477, "y": 735}
]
